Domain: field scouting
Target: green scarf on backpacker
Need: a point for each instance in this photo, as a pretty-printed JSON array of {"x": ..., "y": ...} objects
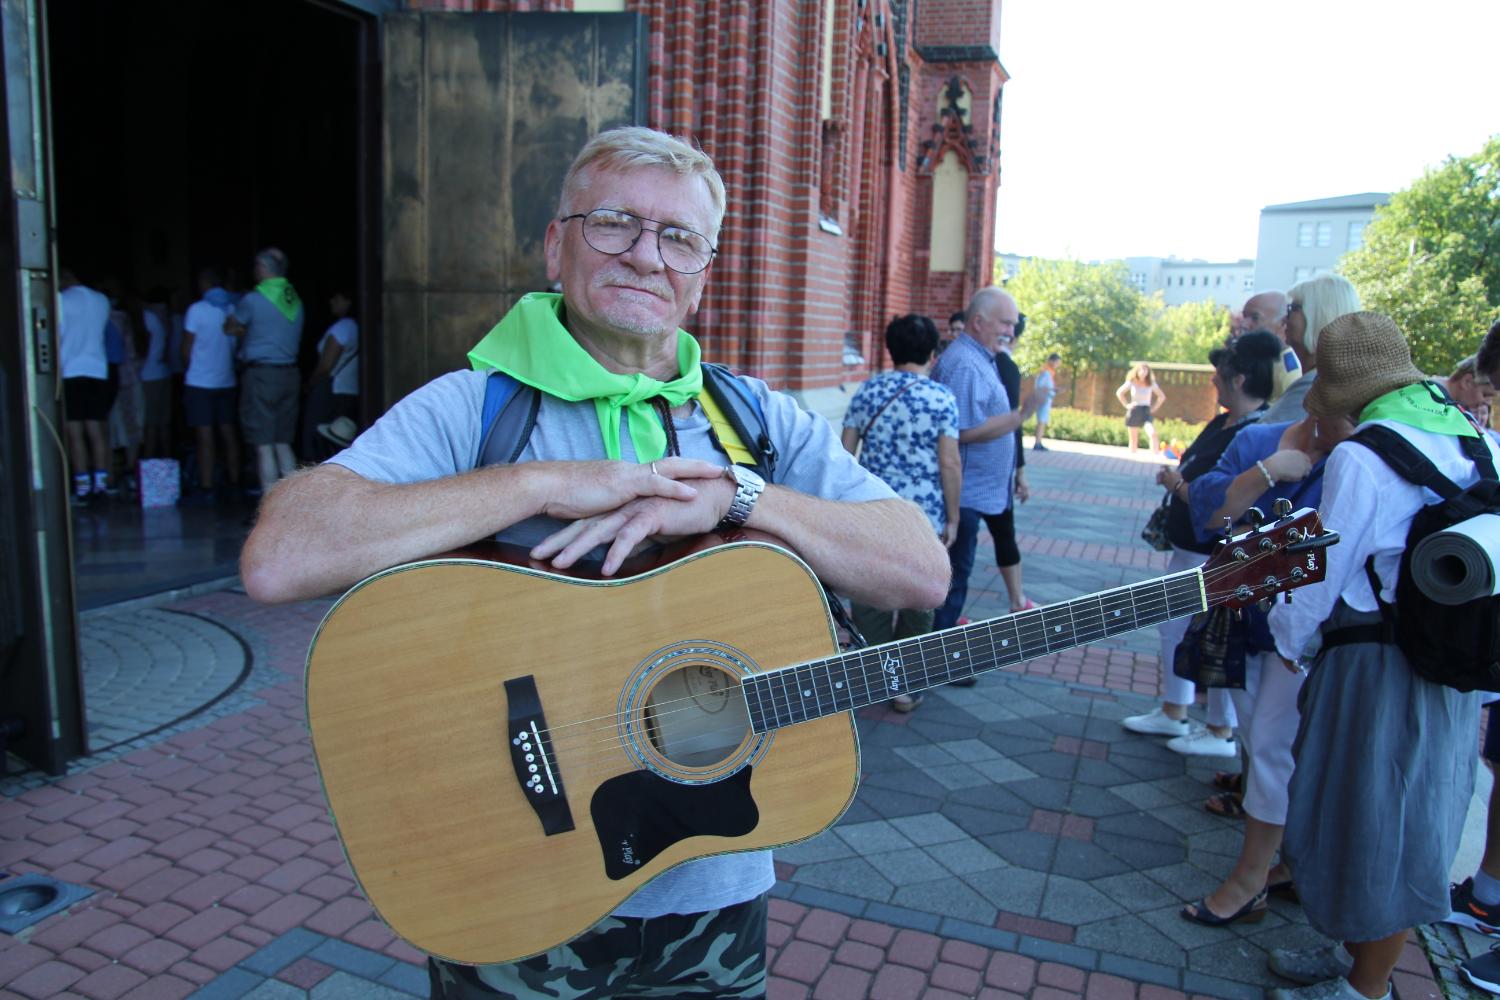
[
  {"x": 1422, "y": 406},
  {"x": 532, "y": 346},
  {"x": 280, "y": 293}
]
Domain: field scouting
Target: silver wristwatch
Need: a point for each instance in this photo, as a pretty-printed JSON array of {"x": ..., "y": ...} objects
[{"x": 747, "y": 489}]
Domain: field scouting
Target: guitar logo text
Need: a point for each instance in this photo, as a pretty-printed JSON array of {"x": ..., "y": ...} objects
[{"x": 892, "y": 667}]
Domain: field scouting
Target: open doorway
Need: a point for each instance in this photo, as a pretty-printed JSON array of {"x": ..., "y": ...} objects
[{"x": 192, "y": 134}]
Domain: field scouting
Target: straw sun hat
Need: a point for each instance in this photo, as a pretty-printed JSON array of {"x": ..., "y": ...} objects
[{"x": 1361, "y": 355}]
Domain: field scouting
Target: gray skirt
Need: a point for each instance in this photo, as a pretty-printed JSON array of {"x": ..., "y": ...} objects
[{"x": 1384, "y": 773}]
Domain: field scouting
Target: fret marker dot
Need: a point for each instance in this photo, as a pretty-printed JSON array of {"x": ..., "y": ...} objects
[
  {"x": 807, "y": 694},
  {"x": 1057, "y": 628},
  {"x": 1005, "y": 642},
  {"x": 956, "y": 655},
  {"x": 838, "y": 684},
  {"x": 1117, "y": 614}
]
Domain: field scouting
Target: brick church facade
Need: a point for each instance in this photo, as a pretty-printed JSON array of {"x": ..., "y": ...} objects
[{"x": 860, "y": 144}]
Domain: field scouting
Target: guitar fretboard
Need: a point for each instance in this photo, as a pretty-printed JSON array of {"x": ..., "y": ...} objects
[{"x": 798, "y": 693}]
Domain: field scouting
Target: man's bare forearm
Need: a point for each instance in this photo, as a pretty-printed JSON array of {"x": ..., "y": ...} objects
[
  {"x": 324, "y": 529},
  {"x": 995, "y": 427},
  {"x": 882, "y": 553}
]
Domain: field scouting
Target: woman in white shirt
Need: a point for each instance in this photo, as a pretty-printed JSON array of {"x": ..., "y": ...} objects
[
  {"x": 1384, "y": 758},
  {"x": 1141, "y": 397}
]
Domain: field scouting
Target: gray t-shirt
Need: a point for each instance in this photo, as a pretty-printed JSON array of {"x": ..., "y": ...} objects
[
  {"x": 269, "y": 337},
  {"x": 435, "y": 432}
]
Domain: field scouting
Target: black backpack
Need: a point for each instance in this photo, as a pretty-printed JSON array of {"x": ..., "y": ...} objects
[{"x": 1453, "y": 644}]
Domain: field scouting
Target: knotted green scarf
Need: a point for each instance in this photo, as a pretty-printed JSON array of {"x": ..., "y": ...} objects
[
  {"x": 280, "y": 293},
  {"x": 532, "y": 346},
  {"x": 1420, "y": 405}
]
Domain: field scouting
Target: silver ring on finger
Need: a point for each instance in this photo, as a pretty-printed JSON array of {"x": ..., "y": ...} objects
[{"x": 653, "y": 469}]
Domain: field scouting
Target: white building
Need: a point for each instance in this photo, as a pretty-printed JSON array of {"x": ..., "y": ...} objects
[
  {"x": 1225, "y": 283},
  {"x": 1304, "y": 238}
]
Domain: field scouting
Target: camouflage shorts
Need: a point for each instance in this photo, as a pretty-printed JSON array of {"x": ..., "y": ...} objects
[{"x": 719, "y": 953}]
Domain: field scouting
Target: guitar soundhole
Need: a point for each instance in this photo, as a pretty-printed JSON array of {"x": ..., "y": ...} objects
[{"x": 695, "y": 716}]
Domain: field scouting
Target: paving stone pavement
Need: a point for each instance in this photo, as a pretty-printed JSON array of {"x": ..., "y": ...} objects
[{"x": 1008, "y": 839}]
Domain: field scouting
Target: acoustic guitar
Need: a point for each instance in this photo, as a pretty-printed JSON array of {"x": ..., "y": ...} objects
[{"x": 508, "y": 753}]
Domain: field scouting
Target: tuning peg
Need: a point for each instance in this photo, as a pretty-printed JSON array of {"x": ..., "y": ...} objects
[
  {"x": 1228, "y": 526},
  {"x": 1264, "y": 604},
  {"x": 1282, "y": 507},
  {"x": 1255, "y": 515}
]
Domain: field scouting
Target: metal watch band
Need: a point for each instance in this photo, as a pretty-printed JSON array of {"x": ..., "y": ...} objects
[{"x": 747, "y": 489}]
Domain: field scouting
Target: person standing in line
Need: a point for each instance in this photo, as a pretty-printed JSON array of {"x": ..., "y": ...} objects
[
  {"x": 269, "y": 321},
  {"x": 951, "y": 332},
  {"x": 332, "y": 389},
  {"x": 1008, "y": 553},
  {"x": 88, "y": 393},
  {"x": 1045, "y": 388},
  {"x": 156, "y": 377},
  {"x": 987, "y": 426},
  {"x": 1141, "y": 397},
  {"x": 904, "y": 428},
  {"x": 1310, "y": 306},
  {"x": 208, "y": 395}
]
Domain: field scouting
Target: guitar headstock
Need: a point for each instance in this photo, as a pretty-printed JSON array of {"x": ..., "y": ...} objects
[{"x": 1267, "y": 559}]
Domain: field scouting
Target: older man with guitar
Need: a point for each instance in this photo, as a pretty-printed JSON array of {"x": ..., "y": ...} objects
[{"x": 430, "y": 765}]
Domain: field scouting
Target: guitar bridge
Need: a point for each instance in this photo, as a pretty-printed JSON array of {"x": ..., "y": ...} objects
[{"x": 531, "y": 756}]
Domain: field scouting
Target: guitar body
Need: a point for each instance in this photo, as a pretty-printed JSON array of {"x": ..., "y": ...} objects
[{"x": 479, "y": 842}]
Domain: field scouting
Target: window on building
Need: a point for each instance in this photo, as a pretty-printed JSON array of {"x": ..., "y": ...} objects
[
  {"x": 1304, "y": 234},
  {"x": 1325, "y": 234},
  {"x": 1302, "y": 273},
  {"x": 1194, "y": 281},
  {"x": 1356, "y": 236},
  {"x": 1249, "y": 282},
  {"x": 950, "y": 212},
  {"x": 1218, "y": 278}
]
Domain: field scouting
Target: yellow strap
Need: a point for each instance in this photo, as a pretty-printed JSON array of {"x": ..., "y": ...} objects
[{"x": 729, "y": 440}]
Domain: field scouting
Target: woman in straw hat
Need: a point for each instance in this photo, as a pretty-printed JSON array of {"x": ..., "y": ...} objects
[{"x": 1384, "y": 758}]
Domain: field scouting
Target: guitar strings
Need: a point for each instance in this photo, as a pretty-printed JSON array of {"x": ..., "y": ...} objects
[
  {"x": 613, "y": 743},
  {"x": 662, "y": 710}
]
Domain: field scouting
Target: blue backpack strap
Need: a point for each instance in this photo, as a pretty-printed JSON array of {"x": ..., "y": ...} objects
[
  {"x": 745, "y": 415},
  {"x": 506, "y": 419}
]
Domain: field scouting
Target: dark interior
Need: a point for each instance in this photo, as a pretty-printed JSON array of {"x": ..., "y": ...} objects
[{"x": 189, "y": 133}]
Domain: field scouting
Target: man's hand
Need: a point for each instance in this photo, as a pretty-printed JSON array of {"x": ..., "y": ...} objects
[
  {"x": 623, "y": 527},
  {"x": 577, "y": 490},
  {"x": 950, "y": 533},
  {"x": 1023, "y": 491}
]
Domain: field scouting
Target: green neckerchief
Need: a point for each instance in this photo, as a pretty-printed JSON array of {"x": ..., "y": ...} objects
[
  {"x": 532, "y": 346},
  {"x": 280, "y": 293},
  {"x": 1423, "y": 406}
]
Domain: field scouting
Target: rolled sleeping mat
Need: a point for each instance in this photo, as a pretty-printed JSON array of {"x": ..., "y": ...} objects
[{"x": 1457, "y": 565}]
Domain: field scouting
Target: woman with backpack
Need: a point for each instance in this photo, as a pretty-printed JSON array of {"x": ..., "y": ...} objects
[{"x": 1384, "y": 757}]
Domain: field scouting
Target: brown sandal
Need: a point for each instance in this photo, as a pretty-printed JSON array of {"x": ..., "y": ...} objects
[
  {"x": 1226, "y": 804},
  {"x": 1229, "y": 781}
]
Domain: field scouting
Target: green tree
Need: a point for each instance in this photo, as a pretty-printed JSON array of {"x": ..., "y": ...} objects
[
  {"x": 1431, "y": 258},
  {"x": 1186, "y": 333},
  {"x": 1090, "y": 314}
]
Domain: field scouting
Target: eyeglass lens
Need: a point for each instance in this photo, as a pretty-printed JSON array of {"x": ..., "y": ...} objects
[{"x": 616, "y": 232}]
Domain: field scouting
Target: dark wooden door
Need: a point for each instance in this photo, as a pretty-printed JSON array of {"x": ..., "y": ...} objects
[{"x": 483, "y": 113}]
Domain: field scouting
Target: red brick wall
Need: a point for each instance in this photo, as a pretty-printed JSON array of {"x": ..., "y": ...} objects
[{"x": 744, "y": 80}]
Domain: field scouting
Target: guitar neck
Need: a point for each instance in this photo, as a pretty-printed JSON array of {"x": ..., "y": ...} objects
[{"x": 804, "y": 691}]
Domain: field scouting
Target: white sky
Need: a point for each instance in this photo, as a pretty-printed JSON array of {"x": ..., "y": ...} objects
[{"x": 1163, "y": 127}]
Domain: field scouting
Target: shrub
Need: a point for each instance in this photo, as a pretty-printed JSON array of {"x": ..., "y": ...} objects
[{"x": 1080, "y": 425}]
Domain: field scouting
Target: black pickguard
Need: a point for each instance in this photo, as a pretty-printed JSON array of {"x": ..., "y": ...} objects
[{"x": 640, "y": 814}]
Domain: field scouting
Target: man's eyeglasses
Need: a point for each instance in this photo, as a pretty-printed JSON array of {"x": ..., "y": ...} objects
[{"x": 614, "y": 232}]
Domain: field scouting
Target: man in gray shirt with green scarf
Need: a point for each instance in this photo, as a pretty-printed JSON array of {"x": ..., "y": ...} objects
[
  {"x": 269, "y": 322},
  {"x": 622, "y": 453}
]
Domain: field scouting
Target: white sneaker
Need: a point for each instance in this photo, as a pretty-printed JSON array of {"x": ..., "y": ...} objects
[
  {"x": 1311, "y": 966},
  {"x": 1156, "y": 723},
  {"x": 1332, "y": 989},
  {"x": 1202, "y": 743}
]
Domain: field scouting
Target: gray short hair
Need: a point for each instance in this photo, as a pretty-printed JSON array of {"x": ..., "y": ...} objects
[
  {"x": 1323, "y": 300},
  {"x": 274, "y": 261},
  {"x": 633, "y": 147}
]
